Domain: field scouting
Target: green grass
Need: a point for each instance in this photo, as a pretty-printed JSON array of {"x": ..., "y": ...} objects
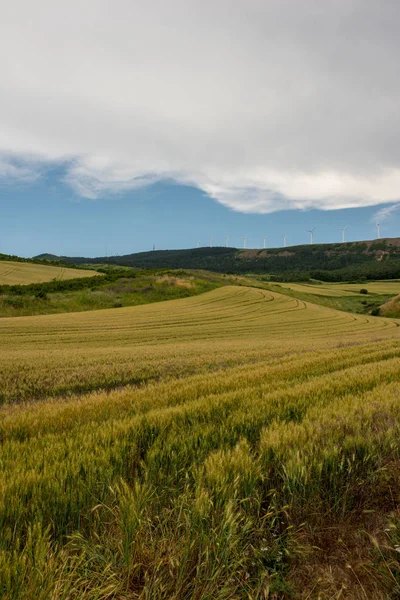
[
  {"x": 340, "y": 296},
  {"x": 388, "y": 288},
  {"x": 236, "y": 444},
  {"x": 120, "y": 287}
]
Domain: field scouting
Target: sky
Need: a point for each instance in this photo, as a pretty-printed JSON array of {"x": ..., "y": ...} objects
[{"x": 125, "y": 124}]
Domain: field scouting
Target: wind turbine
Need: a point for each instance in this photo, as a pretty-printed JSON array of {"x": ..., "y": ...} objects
[
  {"x": 311, "y": 232},
  {"x": 210, "y": 241},
  {"x": 343, "y": 230},
  {"x": 245, "y": 242},
  {"x": 265, "y": 242},
  {"x": 284, "y": 239},
  {"x": 226, "y": 241},
  {"x": 378, "y": 229}
]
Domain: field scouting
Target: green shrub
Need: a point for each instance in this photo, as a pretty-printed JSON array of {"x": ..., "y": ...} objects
[
  {"x": 14, "y": 302},
  {"x": 40, "y": 293}
]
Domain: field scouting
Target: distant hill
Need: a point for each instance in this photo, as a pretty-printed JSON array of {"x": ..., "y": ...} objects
[
  {"x": 376, "y": 259},
  {"x": 49, "y": 257},
  {"x": 42, "y": 259}
]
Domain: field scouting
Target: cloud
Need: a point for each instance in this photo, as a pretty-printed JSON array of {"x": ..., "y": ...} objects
[
  {"x": 285, "y": 104},
  {"x": 385, "y": 213},
  {"x": 12, "y": 170},
  {"x": 96, "y": 176}
]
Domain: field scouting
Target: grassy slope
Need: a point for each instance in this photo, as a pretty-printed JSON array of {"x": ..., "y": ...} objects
[
  {"x": 260, "y": 461},
  {"x": 391, "y": 308},
  {"x": 23, "y": 273},
  {"x": 346, "y": 289},
  {"x": 339, "y": 296},
  {"x": 123, "y": 288}
]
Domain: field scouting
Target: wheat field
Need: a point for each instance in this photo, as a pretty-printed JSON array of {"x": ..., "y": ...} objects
[
  {"x": 23, "y": 273},
  {"x": 237, "y": 444}
]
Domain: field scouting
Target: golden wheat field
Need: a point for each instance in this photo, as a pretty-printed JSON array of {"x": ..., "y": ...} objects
[
  {"x": 238, "y": 444},
  {"x": 21, "y": 273}
]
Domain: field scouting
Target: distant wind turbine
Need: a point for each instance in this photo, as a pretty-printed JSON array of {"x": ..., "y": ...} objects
[
  {"x": 378, "y": 230},
  {"x": 226, "y": 241},
  {"x": 265, "y": 242},
  {"x": 245, "y": 242},
  {"x": 284, "y": 239},
  {"x": 311, "y": 232},
  {"x": 210, "y": 241},
  {"x": 343, "y": 230}
]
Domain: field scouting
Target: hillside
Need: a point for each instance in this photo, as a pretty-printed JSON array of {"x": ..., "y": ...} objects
[
  {"x": 25, "y": 273},
  {"x": 114, "y": 288},
  {"x": 391, "y": 308},
  {"x": 377, "y": 259}
]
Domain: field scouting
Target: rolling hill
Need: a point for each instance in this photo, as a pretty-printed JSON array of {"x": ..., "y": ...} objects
[{"x": 377, "y": 259}]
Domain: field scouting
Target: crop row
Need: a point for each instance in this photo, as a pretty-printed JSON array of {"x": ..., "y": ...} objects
[
  {"x": 76, "y": 353},
  {"x": 259, "y": 457}
]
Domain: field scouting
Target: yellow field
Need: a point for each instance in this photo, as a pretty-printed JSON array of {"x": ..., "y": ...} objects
[
  {"x": 237, "y": 444},
  {"x": 57, "y": 353},
  {"x": 343, "y": 289},
  {"x": 20, "y": 273}
]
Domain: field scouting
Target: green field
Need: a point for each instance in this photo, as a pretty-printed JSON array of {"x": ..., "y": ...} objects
[
  {"x": 361, "y": 298},
  {"x": 236, "y": 444},
  {"x": 23, "y": 273},
  {"x": 114, "y": 289},
  {"x": 391, "y": 287}
]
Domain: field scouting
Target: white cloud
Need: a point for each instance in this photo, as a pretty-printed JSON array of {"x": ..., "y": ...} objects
[
  {"x": 385, "y": 213},
  {"x": 263, "y": 105},
  {"x": 14, "y": 170},
  {"x": 95, "y": 176}
]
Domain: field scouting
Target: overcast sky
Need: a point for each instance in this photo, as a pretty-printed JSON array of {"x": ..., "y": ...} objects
[{"x": 264, "y": 105}]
